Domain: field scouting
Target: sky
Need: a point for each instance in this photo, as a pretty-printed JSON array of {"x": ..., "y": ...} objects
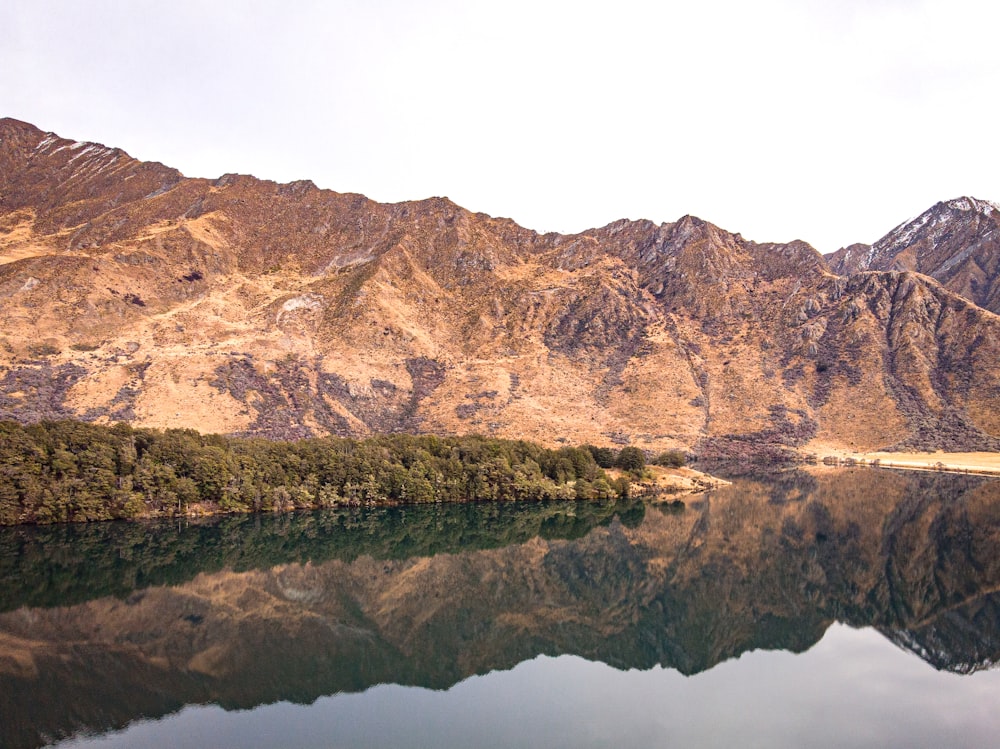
[{"x": 830, "y": 122}]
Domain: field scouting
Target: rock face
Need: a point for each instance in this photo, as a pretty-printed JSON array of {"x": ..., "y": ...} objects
[
  {"x": 957, "y": 243},
  {"x": 128, "y": 292}
]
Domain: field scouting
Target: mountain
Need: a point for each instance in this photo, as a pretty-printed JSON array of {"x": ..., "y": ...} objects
[
  {"x": 956, "y": 243},
  {"x": 237, "y": 305}
]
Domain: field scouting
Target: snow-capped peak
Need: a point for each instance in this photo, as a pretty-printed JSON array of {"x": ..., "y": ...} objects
[
  {"x": 984, "y": 207},
  {"x": 931, "y": 223}
]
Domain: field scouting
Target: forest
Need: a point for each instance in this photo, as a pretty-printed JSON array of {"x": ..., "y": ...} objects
[{"x": 68, "y": 471}]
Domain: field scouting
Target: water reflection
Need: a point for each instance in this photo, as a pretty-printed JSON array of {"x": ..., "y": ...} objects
[
  {"x": 252, "y": 611},
  {"x": 853, "y": 689}
]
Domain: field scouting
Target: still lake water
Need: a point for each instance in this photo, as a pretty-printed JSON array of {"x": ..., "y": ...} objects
[{"x": 840, "y": 608}]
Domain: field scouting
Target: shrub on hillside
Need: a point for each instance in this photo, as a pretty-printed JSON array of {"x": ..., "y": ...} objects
[
  {"x": 631, "y": 459},
  {"x": 671, "y": 459}
]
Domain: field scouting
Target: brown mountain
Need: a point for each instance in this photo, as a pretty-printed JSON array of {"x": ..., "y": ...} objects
[
  {"x": 957, "y": 243},
  {"x": 128, "y": 292}
]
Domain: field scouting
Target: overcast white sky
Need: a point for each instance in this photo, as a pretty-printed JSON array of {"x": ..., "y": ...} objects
[{"x": 780, "y": 119}]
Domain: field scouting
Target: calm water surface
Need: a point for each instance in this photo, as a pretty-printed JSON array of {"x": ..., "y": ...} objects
[{"x": 831, "y": 608}]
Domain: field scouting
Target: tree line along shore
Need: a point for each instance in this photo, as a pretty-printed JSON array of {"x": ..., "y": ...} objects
[{"x": 68, "y": 471}]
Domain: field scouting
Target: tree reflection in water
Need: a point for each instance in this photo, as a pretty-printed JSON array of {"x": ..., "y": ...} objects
[{"x": 122, "y": 622}]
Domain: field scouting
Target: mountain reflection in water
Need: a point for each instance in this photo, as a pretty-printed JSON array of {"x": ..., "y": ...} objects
[{"x": 106, "y": 624}]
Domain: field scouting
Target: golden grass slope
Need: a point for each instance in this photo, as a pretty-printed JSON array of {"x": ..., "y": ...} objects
[{"x": 128, "y": 292}]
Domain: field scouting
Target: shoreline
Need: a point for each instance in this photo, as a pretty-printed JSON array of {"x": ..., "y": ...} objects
[
  {"x": 972, "y": 463},
  {"x": 665, "y": 484}
]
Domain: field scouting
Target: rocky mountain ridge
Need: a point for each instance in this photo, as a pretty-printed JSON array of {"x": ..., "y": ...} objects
[
  {"x": 956, "y": 242},
  {"x": 236, "y": 305}
]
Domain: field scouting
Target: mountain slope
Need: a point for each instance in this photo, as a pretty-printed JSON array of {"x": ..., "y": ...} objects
[
  {"x": 128, "y": 292},
  {"x": 956, "y": 242}
]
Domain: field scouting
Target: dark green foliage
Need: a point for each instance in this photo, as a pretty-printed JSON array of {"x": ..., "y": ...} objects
[
  {"x": 69, "y": 471},
  {"x": 670, "y": 459},
  {"x": 631, "y": 459},
  {"x": 603, "y": 456}
]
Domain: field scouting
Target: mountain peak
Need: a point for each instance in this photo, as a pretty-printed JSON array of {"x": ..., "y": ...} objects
[
  {"x": 965, "y": 203},
  {"x": 933, "y": 222},
  {"x": 956, "y": 241},
  {"x": 10, "y": 125}
]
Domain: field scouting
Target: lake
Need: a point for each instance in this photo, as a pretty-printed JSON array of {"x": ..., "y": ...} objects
[{"x": 819, "y": 607}]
